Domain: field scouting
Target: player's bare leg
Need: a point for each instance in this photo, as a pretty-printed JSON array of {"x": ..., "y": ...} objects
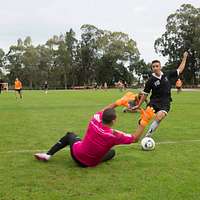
[
  {"x": 154, "y": 125},
  {"x": 16, "y": 95},
  {"x": 20, "y": 94}
]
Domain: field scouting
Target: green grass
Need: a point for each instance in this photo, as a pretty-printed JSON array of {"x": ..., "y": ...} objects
[{"x": 35, "y": 123}]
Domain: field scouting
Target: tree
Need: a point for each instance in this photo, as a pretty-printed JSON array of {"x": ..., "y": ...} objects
[
  {"x": 2, "y": 54},
  {"x": 63, "y": 50},
  {"x": 30, "y": 63},
  {"x": 45, "y": 65},
  {"x": 182, "y": 33},
  {"x": 88, "y": 52},
  {"x": 99, "y": 56},
  {"x": 117, "y": 53},
  {"x": 14, "y": 63},
  {"x": 141, "y": 69}
]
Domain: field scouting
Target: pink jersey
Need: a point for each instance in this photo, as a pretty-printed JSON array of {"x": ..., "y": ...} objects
[{"x": 98, "y": 140}]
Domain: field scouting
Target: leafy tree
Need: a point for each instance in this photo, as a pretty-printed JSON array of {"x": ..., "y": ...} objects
[
  {"x": 182, "y": 33},
  {"x": 2, "y": 54},
  {"x": 117, "y": 53},
  {"x": 30, "y": 63},
  {"x": 14, "y": 62},
  {"x": 64, "y": 61},
  {"x": 88, "y": 52}
]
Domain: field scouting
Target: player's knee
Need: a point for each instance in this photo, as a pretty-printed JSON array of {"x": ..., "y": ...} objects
[
  {"x": 112, "y": 153},
  {"x": 160, "y": 116},
  {"x": 69, "y": 133}
]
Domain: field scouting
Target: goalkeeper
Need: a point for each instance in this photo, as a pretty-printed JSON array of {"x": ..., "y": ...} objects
[{"x": 96, "y": 146}]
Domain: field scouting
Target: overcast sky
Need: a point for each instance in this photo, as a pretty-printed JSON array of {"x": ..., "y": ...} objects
[{"x": 143, "y": 20}]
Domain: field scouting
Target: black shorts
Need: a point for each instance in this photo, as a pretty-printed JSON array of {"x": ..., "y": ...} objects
[
  {"x": 73, "y": 138},
  {"x": 160, "y": 106},
  {"x": 18, "y": 90}
]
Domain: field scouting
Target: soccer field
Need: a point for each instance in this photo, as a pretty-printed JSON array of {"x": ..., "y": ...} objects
[{"x": 171, "y": 171}]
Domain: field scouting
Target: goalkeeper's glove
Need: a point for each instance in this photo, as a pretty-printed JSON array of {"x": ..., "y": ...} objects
[
  {"x": 125, "y": 99},
  {"x": 146, "y": 115}
]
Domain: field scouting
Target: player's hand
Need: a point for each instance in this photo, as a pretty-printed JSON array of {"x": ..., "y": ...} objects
[
  {"x": 185, "y": 55},
  {"x": 135, "y": 108}
]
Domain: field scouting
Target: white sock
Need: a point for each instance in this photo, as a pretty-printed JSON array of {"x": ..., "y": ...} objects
[{"x": 154, "y": 125}]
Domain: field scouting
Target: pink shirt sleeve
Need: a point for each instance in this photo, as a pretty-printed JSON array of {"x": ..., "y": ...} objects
[{"x": 123, "y": 138}]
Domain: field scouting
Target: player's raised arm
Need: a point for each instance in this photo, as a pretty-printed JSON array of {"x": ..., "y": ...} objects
[{"x": 183, "y": 62}]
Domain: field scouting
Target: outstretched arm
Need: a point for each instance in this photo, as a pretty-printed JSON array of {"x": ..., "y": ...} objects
[
  {"x": 183, "y": 62},
  {"x": 142, "y": 99},
  {"x": 145, "y": 118},
  {"x": 112, "y": 105},
  {"x": 121, "y": 102}
]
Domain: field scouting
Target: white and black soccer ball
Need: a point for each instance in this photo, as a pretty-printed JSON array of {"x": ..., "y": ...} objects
[{"x": 148, "y": 144}]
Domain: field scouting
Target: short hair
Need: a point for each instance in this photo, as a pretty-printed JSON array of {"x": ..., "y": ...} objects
[
  {"x": 155, "y": 61},
  {"x": 108, "y": 116}
]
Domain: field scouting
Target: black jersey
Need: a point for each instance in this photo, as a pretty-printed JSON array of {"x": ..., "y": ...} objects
[{"x": 160, "y": 87}]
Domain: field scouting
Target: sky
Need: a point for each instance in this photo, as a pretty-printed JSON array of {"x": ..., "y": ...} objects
[{"x": 143, "y": 20}]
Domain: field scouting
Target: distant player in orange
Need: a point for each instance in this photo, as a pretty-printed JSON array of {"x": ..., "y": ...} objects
[
  {"x": 135, "y": 99},
  {"x": 179, "y": 85},
  {"x": 18, "y": 88}
]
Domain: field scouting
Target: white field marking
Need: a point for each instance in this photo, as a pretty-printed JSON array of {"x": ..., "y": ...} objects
[
  {"x": 188, "y": 89},
  {"x": 135, "y": 144},
  {"x": 77, "y": 90},
  {"x": 23, "y": 151},
  {"x": 169, "y": 142}
]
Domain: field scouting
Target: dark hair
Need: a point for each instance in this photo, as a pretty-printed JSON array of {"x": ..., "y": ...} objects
[
  {"x": 109, "y": 115},
  {"x": 155, "y": 61}
]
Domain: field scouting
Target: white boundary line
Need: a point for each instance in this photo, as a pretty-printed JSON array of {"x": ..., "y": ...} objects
[
  {"x": 44, "y": 150},
  {"x": 23, "y": 151},
  {"x": 178, "y": 142}
]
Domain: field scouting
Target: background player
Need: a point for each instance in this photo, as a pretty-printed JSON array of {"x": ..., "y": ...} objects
[{"x": 18, "y": 88}]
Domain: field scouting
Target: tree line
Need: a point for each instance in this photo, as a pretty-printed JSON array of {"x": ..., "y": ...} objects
[{"x": 101, "y": 56}]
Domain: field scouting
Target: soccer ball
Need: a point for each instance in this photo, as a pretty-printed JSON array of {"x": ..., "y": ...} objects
[{"x": 147, "y": 144}]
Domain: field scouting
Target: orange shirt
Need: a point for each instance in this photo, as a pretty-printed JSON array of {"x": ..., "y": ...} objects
[{"x": 18, "y": 85}]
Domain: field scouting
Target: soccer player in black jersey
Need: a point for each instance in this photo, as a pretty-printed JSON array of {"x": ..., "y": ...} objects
[{"x": 159, "y": 84}]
